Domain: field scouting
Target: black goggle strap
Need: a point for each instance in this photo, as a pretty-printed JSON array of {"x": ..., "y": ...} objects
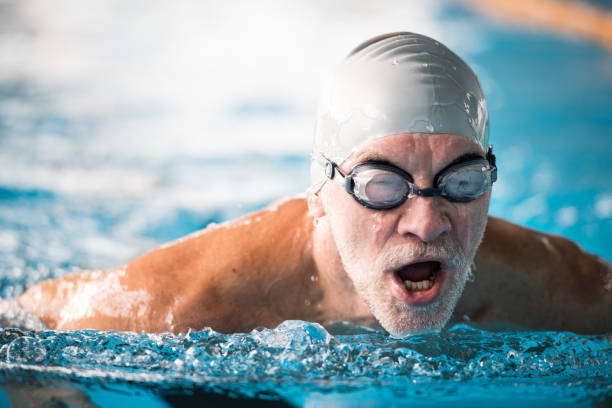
[{"x": 491, "y": 159}]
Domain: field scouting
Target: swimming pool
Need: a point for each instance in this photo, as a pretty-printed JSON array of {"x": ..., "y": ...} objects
[{"x": 106, "y": 151}]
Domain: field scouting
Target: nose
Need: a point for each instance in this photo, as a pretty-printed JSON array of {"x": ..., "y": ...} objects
[{"x": 423, "y": 218}]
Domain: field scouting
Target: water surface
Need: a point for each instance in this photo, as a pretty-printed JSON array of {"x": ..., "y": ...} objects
[{"x": 123, "y": 127}]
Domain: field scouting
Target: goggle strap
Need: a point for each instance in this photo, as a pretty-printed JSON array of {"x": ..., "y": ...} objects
[
  {"x": 491, "y": 159},
  {"x": 490, "y": 156}
]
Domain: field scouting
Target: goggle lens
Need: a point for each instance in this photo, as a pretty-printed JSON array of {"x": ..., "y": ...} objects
[
  {"x": 380, "y": 186},
  {"x": 465, "y": 183}
]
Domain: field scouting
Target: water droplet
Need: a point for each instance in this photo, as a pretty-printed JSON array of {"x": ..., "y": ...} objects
[
  {"x": 470, "y": 273},
  {"x": 376, "y": 222},
  {"x": 395, "y": 62}
]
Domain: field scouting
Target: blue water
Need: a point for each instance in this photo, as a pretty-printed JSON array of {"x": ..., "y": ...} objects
[
  {"x": 302, "y": 363},
  {"x": 552, "y": 126},
  {"x": 91, "y": 176}
]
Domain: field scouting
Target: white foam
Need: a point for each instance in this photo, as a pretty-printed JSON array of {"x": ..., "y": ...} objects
[
  {"x": 93, "y": 296},
  {"x": 13, "y": 314},
  {"x": 8, "y": 241}
]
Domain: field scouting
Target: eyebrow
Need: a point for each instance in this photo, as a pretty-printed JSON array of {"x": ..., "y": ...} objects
[
  {"x": 374, "y": 157},
  {"x": 464, "y": 158}
]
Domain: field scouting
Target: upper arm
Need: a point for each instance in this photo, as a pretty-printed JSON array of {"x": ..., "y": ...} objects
[
  {"x": 88, "y": 300},
  {"x": 540, "y": 281},
  {"x": 171, "y": 288}
]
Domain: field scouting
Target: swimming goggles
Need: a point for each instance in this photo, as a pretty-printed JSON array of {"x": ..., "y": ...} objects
[{"x": 382, "y": 186}]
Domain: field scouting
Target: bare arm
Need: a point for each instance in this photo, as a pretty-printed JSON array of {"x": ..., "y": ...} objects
[
  {"x": 538, "y": 281},
  {"x": 92, "y": 299},
  {"x": 248, "y": 273},
  {"x": 231, "y": 277}
]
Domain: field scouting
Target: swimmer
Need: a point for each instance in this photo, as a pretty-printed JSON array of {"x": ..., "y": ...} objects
[{"x": 393, "y": 232}]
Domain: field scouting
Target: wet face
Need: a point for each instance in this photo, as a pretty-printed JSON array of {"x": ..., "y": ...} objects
[{"x": 409, "y": 264}]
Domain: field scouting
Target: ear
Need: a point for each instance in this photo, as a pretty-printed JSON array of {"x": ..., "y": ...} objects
[{"x": 315, "y": 205}]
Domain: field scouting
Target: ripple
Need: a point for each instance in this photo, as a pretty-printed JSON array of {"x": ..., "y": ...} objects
[{"x": 301, "y": 358}]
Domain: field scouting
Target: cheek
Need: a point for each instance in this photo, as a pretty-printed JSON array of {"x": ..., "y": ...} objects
[
  {"x": 353, "y": 224},
  {"x": 471, "y": 220},
  {"x": 340, "y": 213},
  {"x": 382, "y": 226}
]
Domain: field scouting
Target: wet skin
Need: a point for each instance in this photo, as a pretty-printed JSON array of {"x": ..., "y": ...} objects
[
  {"x": 285, "y": 262},
  {"x": 418, "y": 231}
]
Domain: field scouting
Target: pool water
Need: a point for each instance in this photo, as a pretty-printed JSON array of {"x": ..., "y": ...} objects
[
  {"x": 108, "y": 150},
  {"x": 301, "y": 363}
]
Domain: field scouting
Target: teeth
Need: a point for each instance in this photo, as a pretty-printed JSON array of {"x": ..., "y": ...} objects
[{"x": 421, "y": 285}]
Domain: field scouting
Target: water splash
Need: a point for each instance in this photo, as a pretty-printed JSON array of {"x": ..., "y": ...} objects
[{"x": 307, "y": 359}]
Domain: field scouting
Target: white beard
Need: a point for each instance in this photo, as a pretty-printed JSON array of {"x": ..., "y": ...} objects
[{"x": 398, "y": 318}]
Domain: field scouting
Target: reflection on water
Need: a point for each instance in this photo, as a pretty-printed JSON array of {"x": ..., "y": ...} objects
[
  {"x": 125, "y": 125},
  {"x": 108, "y": 109}
]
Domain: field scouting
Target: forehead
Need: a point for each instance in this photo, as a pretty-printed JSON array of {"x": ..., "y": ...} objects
[{"x": 414, "y": 149}]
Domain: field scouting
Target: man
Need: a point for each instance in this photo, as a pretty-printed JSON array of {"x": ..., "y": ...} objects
[{"x": 387, "y": 235}]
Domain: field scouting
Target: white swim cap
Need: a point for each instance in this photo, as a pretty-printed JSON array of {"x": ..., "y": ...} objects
[{"x": 396, "y": 83}]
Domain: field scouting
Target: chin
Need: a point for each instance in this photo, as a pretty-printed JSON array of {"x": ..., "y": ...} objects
[
  {"x": 405, "y": 321},
  {"x": 401, "y": 319}
]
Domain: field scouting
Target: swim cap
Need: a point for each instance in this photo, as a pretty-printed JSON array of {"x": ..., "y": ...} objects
[{"x": 396, "y": 83}]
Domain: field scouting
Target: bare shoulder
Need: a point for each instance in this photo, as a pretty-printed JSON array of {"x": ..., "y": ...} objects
[
  {"x": 539, "y": 280},
  {"x": 536, "y": 252},
  {"x": 193, "y": 282},
  {"x": 202, "y": 279}
]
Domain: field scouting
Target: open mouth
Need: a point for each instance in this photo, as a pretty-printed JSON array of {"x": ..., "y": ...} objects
[{"x": 419, "y": 276}]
